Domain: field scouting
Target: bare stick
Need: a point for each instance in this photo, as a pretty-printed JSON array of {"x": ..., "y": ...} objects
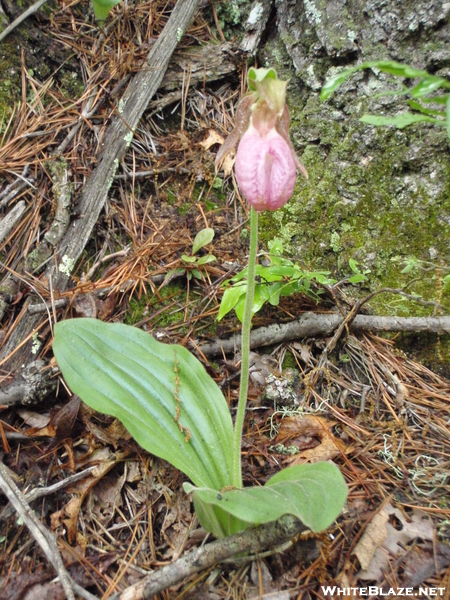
[
  {"x": 253, "y": 540},
  {"x": 43, "y": 537},
  {"x": 50, "y": 489},
  {"x": 34, "y": 8},
  {"x": 9, "y": 220},
  {"x": 311, "y": 324}
]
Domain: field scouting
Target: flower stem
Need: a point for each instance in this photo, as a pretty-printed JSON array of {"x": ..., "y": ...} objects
[{"x": 245, "y": 348}]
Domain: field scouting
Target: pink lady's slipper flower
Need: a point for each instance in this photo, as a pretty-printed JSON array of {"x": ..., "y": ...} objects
[{"x": 266, "y": 162}]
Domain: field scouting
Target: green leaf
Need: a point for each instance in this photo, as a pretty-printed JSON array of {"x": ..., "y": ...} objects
[
  {"x": 353, "y": 266},
  {"x": 426, "y": 111},
  {"x": 230, "y": 298},
  {"x": 203, "y": 237},
  {"x": 188, "y": 259},
  {"x": 102, "y": 8},
  {"x": 122, "y": 371},
  {"x": 426, "y": 86},
  {"x": 315, "y": 493},
  {"x": 204, "y": 260},
  {"x": 196, "y": 273},
  {"x": 412, "y": 264},
  {"x": 386, "y": 66},
  {"x": 357, "y": 278},
  {"x": 261, "y": 296},
  {"x": 436, "y": 99},
  {"x": 400, "y": 121}
]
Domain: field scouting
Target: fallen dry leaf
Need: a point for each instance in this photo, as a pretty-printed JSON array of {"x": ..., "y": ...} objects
[
  {"x": 419, "y": 526},
  {"x": 373, "y": 537},
  {"x": 312, "y": 435},
  {"x": 421, "y": 562},
  {"x": 213, "y": 138}
]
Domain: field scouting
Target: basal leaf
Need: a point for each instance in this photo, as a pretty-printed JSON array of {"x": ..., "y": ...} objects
[
  {"x": 315, "y": 493},
  {"x": 203, "y": 237},
  {"x": 160, "y": 392}
]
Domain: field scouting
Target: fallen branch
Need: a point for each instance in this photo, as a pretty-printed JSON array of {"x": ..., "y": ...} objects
[
  {"x": 255, "y": 540},
  {"x": 33, "y": 8},
  {"x": 44, "y": 538},
  {"x": 311, "y": 324},
  {"x": 9, "y": 220}
]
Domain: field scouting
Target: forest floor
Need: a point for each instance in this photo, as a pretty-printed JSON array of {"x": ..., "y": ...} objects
[{"x": 378, "y": 414}]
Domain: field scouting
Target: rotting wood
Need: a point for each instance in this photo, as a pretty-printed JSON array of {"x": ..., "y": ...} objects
[
  {"x": 118, "y": 137},
  {"x": 32, "y": 384},
  {"x": 311, "y": 324},
  {"x": 255, "y": 540},
  {"x": 9, "y": 220}
]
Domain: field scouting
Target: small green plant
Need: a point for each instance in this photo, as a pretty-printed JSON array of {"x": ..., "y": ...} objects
[
  {"x": 203, "y": 237},
  {"x": 421, "y": 95},
  {"x": 164, "y": 396},
  {"x": 281, "y": 277}
]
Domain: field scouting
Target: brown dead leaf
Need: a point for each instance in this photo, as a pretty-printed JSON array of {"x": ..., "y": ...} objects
[
  {"x": 85, "y": 305},
  {"x": 372, "y": 538},
  {"x": 33, "y": 419},
  {"x": 420, "y": 563},
  {"x": 69, "y": 514},
  {"x": 61, "y": 422},
  {"x": 106, "y": 307},
  {"x": 404, "y": 531},
  {"x": 312, "y": 435},
  {"x": 213, "y": 138}
]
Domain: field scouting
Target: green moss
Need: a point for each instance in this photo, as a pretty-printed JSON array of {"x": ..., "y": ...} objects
[
  {"x": 368, "y": 206},
  {"x": 289, "y": 361},
  {"x": 160, "y": 303}
]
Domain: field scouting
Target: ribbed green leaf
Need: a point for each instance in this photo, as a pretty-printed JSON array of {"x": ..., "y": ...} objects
[
  {"x": 314, "y": 493},
  {"x": 122, "y": 371}
]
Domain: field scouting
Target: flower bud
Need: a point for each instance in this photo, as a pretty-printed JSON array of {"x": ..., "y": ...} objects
[
  {"x": 266, "y": 162},
  {"x": 265, "y": 169}
]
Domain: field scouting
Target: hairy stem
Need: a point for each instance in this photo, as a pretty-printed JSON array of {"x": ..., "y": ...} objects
[{"x": 246, "y": 325}]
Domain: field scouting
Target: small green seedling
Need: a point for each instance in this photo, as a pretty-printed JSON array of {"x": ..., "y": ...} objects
[
  {"x": 281, "y": 278},
  {"x": 203, "y": 238},
  {"x": 359, "y": 275}
]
